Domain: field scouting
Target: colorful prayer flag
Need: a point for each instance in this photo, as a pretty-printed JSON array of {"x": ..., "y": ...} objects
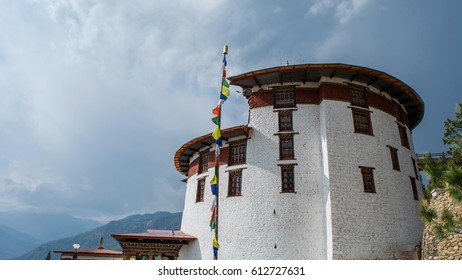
[
  {"x": 224, "y": 66},
  {"x": 216, "y": 120},
  {"x": 213, "y": 224},
  {"x": 215, "y": 246},
  {"x": 214, "y": 202},
  {"x": 224, "y": 83},
  {"x": 215, "y": 252},
  {"x": 215, "y": 241},
  {"x": 224, "y": 89},
  {"x": 213, "y": 184},
  {"x": 216, "y": 133},
  {"x": 216, "y": 110},
  {"x": 214, "y": 180},
  {"x": 224, "y": 93},
  {"x": 213, "y": 189},
  {"x": 217, "y": 154},
  {"x": 219, "y": 142},
  {"x": 217, "y": 136},
  {"x": 213, "y": 221}
]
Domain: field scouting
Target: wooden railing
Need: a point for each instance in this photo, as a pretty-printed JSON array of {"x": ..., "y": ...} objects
[{"x": 442, "y": 155}]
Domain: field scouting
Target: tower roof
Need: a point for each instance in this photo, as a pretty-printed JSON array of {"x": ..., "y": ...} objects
[
  {"x": 155, "y": 235},
  {"x": 304, "y": 73}
]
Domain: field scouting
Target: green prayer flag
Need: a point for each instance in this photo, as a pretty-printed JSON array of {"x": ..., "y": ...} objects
[
  {"x": 213, "y": 223},
  {"x": 216, "y": 120},
  {"x": 224, "y": 82}
]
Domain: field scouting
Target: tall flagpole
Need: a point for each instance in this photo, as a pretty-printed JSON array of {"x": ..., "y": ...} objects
[
  {"x": 224, "y": 94},
  {"x": 217, "y": 159},
  {"x": 217, "y": 195}
]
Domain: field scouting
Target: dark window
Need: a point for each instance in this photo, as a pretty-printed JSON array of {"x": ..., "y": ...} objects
[
  {"x": 358, "y": 95},
  {"x": 204, "y": 162},
  {"x": 284, "y": 97},
  {"x": 200, "y": 190},
  {"x": 285, "y": 121},
  {"x": 414, "y": 188},
  {"x": 287, "y": 178},
  {"x": 397, "y": 111},
  {"x": 394, "y": 158},
  {"x": 403, "y": 135},
  {"x": 237, "y": 153},
  {"x": 415, "y": 168},
  {"x": 235, "y": 183},
  {"x": 368, "y": 179},
  {"x": 362, "y": 121},
  {"x": 286, "y": 146}
]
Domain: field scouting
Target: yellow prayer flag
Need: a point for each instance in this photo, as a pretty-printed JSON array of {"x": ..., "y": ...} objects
[
  {"x": 214, "y": 180},
  {"x": 215, "y": 241},
  {"x": 216, "y": 133},
  {"x": 225, "y": 91}
]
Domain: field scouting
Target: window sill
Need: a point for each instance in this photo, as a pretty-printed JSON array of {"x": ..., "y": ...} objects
[
  {"x": 286, "y": 132},
  {"x": 202, "y": 175},
  {"x": 236, "y": 167},
  {"x": 364, "y": 133},
  {"x": 285, "y": 109},
  {"x": 360, "y": 108},
  {"x": 401, "y": 124},
  {"x": 287, "y": 162}
]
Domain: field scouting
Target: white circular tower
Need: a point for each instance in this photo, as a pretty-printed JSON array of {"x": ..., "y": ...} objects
[{"x": 325, "y": 168}]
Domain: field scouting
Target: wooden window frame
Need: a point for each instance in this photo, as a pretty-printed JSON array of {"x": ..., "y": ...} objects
[
  {"x": 234, "y": 190},
  {"x": 286, "y": 152},
  {"x": 285, "y": 120},
  {"x": 287, "y": 178},
  {"x": 402, "y": 130},
  {"x": 397, "y": 111},
  {"x": 238, "y": 152},
  {"x": 284, "y": 97},
  {"x": 200, "y": 191},
  {"x": 415, "y": 169},
  {"x": 394, "y": 158},
  {"x": 358, "y": 123},
  {"x": 358, "y": 96},
  {"x": 204, "y": 162},
  {"x": 415, "y": 193},
  {"x": 368, "y": 179}
]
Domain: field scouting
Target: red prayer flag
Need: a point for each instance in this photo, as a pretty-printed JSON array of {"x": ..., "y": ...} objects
[
  {"x": 213, "y": 214},
  {"x": 216, "y": 110}
]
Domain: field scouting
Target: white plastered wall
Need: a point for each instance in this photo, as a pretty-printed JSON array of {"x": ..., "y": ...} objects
[{"x": 369, "y": 225}]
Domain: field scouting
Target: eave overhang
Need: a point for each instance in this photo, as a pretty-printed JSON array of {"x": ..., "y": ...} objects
[{"x": 304, "y": 73}]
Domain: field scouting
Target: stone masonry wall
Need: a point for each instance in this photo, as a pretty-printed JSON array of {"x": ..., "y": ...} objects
[
  {"x": 449, "y": 248},
  {"x": 369, "y": 225}
]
